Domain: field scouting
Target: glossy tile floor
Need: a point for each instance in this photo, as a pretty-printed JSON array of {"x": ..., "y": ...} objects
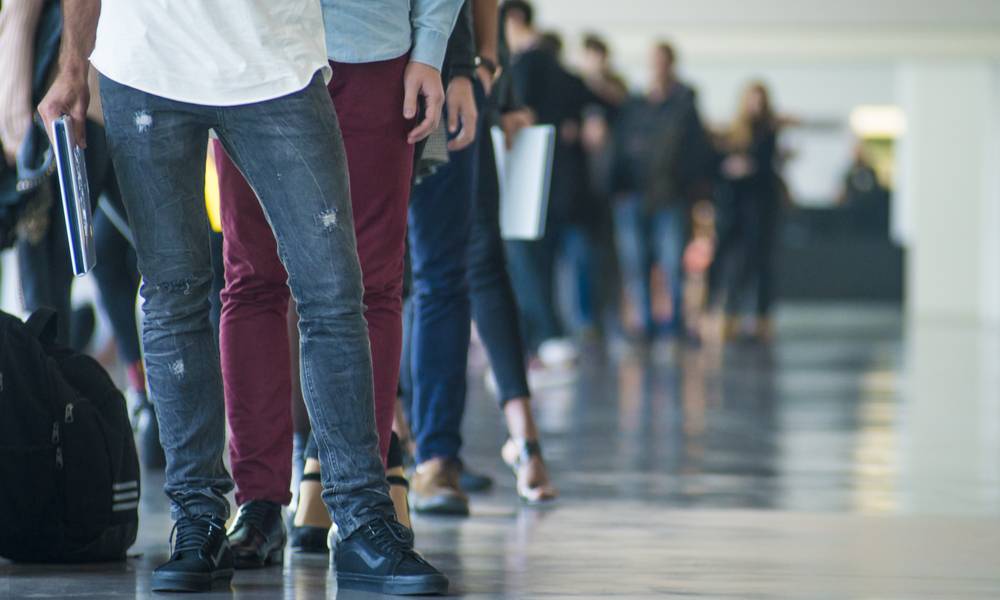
[{"x": 854, "y": 459}]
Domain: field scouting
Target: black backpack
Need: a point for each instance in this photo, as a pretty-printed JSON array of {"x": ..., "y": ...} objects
[{"x": 69, "y": 472}]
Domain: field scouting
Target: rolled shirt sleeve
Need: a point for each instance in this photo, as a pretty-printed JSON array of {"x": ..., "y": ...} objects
[{"x": 432, "y": 22}]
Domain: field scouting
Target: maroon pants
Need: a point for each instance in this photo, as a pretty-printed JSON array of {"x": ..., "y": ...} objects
[{"x": 254, "y": 340}]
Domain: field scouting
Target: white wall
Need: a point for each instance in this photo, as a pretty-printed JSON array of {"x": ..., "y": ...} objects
[
  {"x": 938, "y": 59},
  {"x": 822, "y": 95},
  {"x": 821, "y": 59}
]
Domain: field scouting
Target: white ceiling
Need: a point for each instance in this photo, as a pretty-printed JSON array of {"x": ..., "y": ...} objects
[
  {"x": 731, "y": 31},
  {"x": 936, "y": 13}
]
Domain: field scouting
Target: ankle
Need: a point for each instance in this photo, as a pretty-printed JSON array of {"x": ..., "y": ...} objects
[
  {"x": 311, "y": 511},
  {"x": 520, "y": 421}
]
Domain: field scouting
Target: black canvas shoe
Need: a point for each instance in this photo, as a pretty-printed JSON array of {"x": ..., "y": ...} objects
[
  {"x": 379, "y": 557},
  {"x": 258, "y": 535},
  {"x": 201, "y": 557}
]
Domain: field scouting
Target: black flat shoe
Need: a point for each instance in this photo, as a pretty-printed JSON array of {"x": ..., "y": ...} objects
[
  {"x": 310, "y": 540},
  {"x": 257, "y": 537}
]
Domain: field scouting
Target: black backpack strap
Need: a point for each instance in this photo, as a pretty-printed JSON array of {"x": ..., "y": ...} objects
[{"x": 44, "y": 325}]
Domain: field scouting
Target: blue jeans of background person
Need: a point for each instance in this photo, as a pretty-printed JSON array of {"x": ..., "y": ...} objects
[
  {"x": 577, "y": 277},
  {"x": 494, "y": 307},
  {"x": 436, "y": 342},
  {"x": 290, "y": 151},
  {"x": 645, "y": 239}
]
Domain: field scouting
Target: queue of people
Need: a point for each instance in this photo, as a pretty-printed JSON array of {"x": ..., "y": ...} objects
[{"x": 329, "y": 326}]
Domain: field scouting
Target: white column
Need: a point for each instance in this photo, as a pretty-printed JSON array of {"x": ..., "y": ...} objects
[{"x": 948, "y": 204}]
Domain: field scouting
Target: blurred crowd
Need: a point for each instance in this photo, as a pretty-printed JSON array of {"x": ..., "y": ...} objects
[{"x": 660, "y": 224}]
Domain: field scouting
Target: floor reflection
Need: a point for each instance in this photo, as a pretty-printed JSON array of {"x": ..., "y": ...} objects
[{"x": 855, "y": 458}]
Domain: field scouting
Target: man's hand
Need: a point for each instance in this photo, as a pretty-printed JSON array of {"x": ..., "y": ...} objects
[
  {"x": 461, "y": 113},
  {"x": 514, "y": 121},
  {"x": 422, "y": 80},
  {"x": 69, "y": 95}
]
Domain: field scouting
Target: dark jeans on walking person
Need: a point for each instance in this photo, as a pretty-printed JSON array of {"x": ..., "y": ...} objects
[
  {"x": 532, "y": 263},
  {"x": 160, "y": 165},
  {"x": 494, "y": 306},
  {"x": 644, "y": 240}
]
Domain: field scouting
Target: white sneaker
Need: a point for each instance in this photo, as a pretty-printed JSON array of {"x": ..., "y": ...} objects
[{"x": 558, "y": 352}]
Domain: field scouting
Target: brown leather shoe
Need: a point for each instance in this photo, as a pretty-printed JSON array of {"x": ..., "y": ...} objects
[{"x": 434, "y": 489}]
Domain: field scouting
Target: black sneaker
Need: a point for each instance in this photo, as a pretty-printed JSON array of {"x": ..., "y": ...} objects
[
  {"x": 379, "y": 557},
  {"x": 258, "y": 535},
  {"x": 201, "y": 557}
]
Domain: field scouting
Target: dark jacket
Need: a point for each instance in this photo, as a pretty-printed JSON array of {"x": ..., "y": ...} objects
[{"x": 662, "y": 149}]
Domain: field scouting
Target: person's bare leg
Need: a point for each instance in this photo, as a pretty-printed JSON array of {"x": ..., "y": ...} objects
[
  {"x": 311, "y": 511},
  {"x": 398, "y": 491}
]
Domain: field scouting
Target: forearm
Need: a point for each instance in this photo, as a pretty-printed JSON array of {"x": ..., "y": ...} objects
[
  {"x": 18, "y": 21},
  {"x": 485, "y": 15},
  {"x": 79, "y": 35},
  {"x": 69, "y": 93},
  {"x": 460, "y": 60}
]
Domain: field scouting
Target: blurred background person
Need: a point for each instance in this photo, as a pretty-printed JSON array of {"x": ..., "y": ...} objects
[
  {"x": 598, "y": 72},
  {"x": 555, "y": 97},
  {"x": 597, "y": 137},
  {"x": 662, "y": 155},
  {"x": 864, "y": 196},
  {"x": 749, "y": 200}
]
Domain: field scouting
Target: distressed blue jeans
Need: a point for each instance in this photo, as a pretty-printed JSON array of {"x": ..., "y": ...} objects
[{"x": 291, "y": 153}]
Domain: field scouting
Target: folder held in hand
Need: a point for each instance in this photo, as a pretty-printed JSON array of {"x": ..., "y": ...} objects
[
  {"x": 75, "y": 194},
  {"x": 524, "y": 173}
]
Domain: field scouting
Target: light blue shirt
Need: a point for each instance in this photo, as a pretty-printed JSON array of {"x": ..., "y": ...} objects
[{"x": 360, "y": 31}]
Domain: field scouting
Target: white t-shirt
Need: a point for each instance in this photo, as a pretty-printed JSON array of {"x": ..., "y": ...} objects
[{"x": 211, "y": 52}]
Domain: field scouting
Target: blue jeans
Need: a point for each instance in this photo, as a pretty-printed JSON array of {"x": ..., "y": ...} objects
[
  {"x": 438, "y": 311},
  {"x": 644, "y": 240},
  {"x": 291, "y": 152},
  {"x": 577, "y": 276}
]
